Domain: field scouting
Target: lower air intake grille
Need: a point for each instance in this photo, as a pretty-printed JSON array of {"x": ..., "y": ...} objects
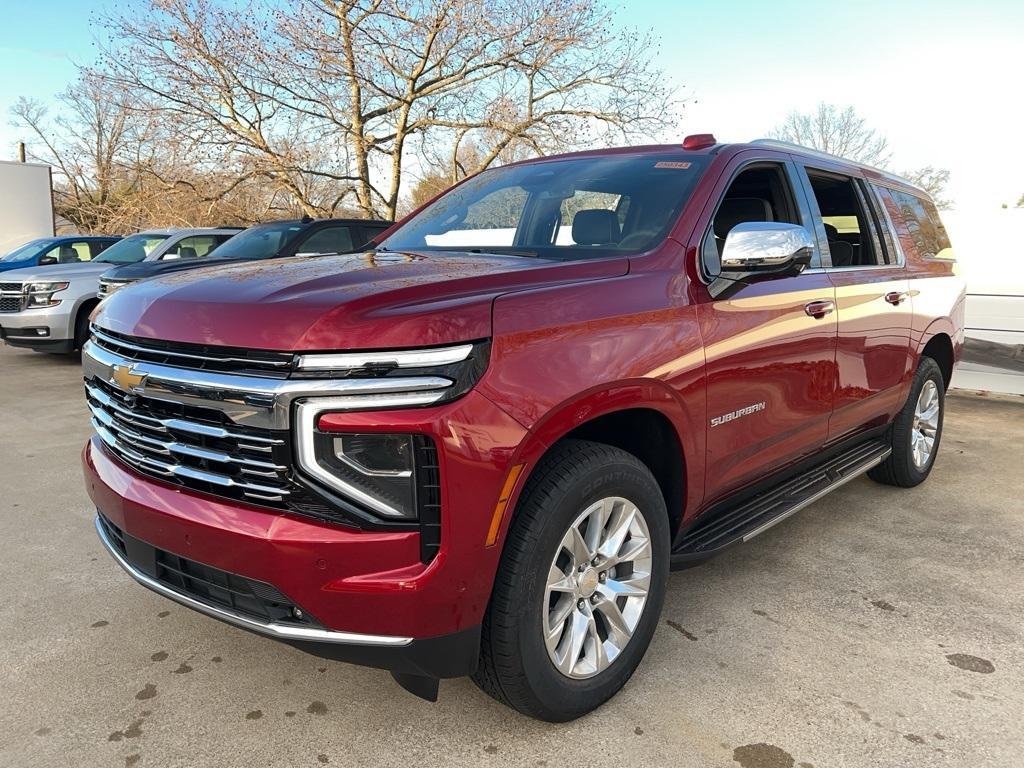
[
  {"x": 428, "y": 497},
  {"x": 220, "y": 589}
]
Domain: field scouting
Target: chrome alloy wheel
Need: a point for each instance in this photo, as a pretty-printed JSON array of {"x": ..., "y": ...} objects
[
  {"x": 926, "y": 425},
  {"x": 597, "y": 587}
]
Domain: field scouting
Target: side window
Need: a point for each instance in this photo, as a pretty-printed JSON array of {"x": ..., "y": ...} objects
[
  {"x": 852, "y": 238},
  {"x": 99, "y": 246},
  {"x": 67, "y": 253},
  {"x": 328, "y": 240},
  {"x": 924, "y": 228},
  {"x": 759, "y": 193},
  {"x": 370, "y": 232},
  {"x": 195, "y": 247}
]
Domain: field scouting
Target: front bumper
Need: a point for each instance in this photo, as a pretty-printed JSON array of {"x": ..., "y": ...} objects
[
  {"x": 375, "y": 602},
  {"x": 448, "y": 656},
  {"x": 21, "y": 329}
]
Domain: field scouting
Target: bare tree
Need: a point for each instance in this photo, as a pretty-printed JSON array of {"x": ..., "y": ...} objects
[
  {"x": 836, "y": 130},
  {"x": 841, "y": 131},
  {"x": 933, "y": 181},
  {"x": 326, "y": 99},
  {"x": 89, "y": 142}
]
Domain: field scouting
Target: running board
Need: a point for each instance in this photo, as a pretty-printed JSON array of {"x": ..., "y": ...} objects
[{"x": 756, "y": 515}]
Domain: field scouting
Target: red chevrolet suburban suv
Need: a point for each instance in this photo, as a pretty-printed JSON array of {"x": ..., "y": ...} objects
[{"x": 478, "y": 448}]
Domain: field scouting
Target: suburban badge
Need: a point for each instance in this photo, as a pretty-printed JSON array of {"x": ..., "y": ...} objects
[{"x": 718, "y": 421}]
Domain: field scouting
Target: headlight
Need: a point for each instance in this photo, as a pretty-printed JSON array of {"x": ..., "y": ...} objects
[
  {"x": 107, "y": 287},
  {"x": 381, "y": 476},
  {"x": 377, "y": 472},
  {"x": 39, "y": 295}
]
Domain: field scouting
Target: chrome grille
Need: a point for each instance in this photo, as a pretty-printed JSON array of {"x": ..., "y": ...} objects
[
  {"x": 107, "y": 287},
  {"x": 194, "y": 356},
  {"x": 10, "y": 297},
  {"x": 188, "y": 447}
]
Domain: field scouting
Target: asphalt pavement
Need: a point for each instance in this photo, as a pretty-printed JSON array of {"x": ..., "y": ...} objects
[{"x": 878, "y": 627}]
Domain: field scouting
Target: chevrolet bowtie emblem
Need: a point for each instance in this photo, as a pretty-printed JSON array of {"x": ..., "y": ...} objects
[{"x": 125, "y": 377}]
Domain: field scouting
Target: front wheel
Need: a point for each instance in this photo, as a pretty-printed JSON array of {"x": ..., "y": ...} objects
[
  {"x": 580, "y": 586},
  {"x": 916, "y": 431}
]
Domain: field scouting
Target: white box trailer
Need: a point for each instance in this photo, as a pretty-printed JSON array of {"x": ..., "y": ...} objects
[
  {"x": 989, "y": 247},
  {"x": 26, "y": 204}
]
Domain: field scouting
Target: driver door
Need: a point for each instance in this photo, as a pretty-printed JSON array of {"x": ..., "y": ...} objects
[{"x": 770, "y": 345}]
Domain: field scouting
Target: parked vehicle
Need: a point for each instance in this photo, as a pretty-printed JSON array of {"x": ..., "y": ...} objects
[
  {"x": 479, "y": 448},
  {"x": 26, "y": 203},
  {"x": 45, "y": 251},
  {"x": 305, "y": 237},
  {"x": 46, "y": 308}
]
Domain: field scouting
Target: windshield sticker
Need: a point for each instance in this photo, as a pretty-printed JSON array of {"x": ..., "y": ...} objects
[{"x": 672, "y": 164}]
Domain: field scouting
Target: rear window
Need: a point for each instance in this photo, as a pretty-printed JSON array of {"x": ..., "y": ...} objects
[
  {"x": 924, "y": 228},
  {"x": 575, "y": 208}
]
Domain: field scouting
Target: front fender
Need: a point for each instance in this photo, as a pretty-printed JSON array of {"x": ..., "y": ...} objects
[{"x": 604, "y": 400}]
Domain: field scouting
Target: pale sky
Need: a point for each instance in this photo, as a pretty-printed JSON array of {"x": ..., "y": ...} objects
[{"x": 941, "y": 80}]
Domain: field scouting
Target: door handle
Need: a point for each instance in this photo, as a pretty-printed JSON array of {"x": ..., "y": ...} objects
[
  {"x": 896, "y": 297},
  {"x": 818, "y": 309}
]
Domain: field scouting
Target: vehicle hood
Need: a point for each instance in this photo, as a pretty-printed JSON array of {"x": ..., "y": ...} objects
[
  {"x": 9, "y": 266},
  {"x": 142, "y": 270},
  {"x": 56, "y": 272},
  {"x": 373, "y": 300}
]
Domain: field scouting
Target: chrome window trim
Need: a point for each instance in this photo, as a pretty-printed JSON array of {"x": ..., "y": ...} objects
[
  {"x": 271, "y": 629},
  {"x": 901, "y": 258},
  {"x": 416, "y": 358},
  {"x": 306, "y": 414},
  {"x": 864, "y": 268},
  {"x": 262, "y": 402}
]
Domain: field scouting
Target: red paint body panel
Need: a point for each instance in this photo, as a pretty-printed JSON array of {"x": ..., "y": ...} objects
[
  {"x": 325, "y": 303},
  {"x": 570, "y": 342}
]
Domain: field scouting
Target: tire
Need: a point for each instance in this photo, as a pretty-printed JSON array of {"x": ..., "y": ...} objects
[
  {"x": 902, "y": 468},
  {"x": 81, "y": 330},
  {"x": 517, "y": 667}
]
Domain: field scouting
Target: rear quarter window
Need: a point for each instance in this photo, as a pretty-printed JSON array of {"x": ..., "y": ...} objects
[{"x": 917, "y": 223}]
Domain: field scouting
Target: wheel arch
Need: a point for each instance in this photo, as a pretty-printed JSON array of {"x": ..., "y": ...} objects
[
  {"x": 940, "y": 349},
  {"x": 85, "y": 307},
  {"x": 639, "y": 417}
]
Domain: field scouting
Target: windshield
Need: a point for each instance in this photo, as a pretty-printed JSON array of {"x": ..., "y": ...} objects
[
  {"x": 26, "y": 250},
  {"x": 131, "y": 249},
  {"x": 260, "y": 242},
  {"x": 577, "y": 208}
]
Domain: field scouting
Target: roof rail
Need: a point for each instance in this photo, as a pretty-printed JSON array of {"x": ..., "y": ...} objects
[{"x": 790, "y": 146}]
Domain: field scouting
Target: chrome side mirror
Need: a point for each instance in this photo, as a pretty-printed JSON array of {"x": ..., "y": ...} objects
[{"x": 767, "y": 247}]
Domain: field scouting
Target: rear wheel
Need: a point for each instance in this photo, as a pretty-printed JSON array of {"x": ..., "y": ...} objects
[
  {"x": 916, "y": 431},
  {"x": 580, "y": 585}
]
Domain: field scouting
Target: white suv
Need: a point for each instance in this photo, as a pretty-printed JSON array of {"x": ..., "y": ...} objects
[{"x": 47, "y": 308}]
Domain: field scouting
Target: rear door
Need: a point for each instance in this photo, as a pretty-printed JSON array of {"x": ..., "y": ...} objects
[
  {"x": 770, "y": 353},
  {"x": 873, "y": 302}
]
